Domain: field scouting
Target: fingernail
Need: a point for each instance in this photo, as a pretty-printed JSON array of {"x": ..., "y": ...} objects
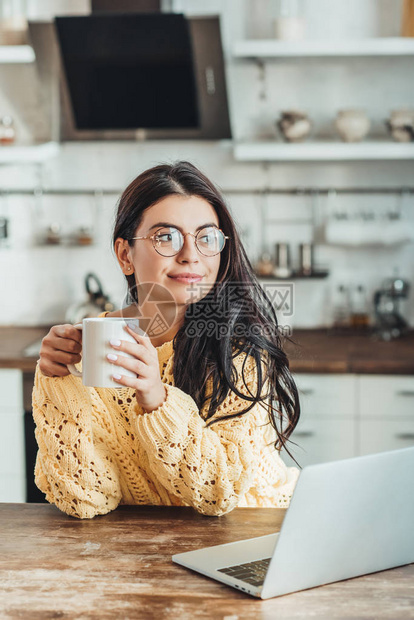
[
  {"x": 115, "y": 343},
  {"x": 111, "y": 356},
  {"x": 117, "y": 377}
]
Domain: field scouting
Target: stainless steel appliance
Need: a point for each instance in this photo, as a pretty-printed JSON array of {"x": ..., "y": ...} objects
[{"x": 390, "y": 323}]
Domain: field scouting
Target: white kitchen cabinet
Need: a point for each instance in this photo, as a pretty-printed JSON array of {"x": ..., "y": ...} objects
[
  {"x": 327, "y": 428},
  {"x": 382, "y": 435},
  {"x": 386, "y": 410},
  {"x": 351, "y": 415},
  {"x": 12, "y": 459}
]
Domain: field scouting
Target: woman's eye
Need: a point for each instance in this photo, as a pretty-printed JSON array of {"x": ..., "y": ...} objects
[
  {"x": 164, "y": 238},
  {"x": 208, "y": 237}
]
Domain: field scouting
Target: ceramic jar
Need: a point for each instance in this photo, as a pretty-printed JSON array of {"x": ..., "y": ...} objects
[
  {"x": 294, "y": 126},
  {"x": 352, "y": 125},
  {"x": 401, "y": 125}
]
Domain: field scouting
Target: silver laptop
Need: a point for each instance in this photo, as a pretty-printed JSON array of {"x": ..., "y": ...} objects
[{"x": 346, "y": 518}]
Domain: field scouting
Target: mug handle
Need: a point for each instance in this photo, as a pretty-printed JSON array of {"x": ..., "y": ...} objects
[{"x": 71, "y": 367}]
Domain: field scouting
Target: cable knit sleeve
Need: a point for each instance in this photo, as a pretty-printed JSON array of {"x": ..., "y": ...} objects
[
  {"x": 210, "y": 468},
  {"x": 74, "y": 467}
]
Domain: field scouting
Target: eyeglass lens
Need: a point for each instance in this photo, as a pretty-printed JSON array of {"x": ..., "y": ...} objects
[{"x": 169, "y": 241}]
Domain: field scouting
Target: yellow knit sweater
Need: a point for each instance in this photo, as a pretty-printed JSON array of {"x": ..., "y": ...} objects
[{"x": 98, "y": 449}]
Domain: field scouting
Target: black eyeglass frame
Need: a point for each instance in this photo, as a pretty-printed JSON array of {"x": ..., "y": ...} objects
[{"x": 154, "y": 242}]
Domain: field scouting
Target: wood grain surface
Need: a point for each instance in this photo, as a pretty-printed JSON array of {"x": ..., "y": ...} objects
[
  {"x": 314, "y": 351},
  {"x": 119, "y": 566}
]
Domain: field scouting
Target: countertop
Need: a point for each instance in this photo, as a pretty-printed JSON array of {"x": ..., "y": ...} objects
[
  {"x": 314, "y": 351},
  {"x": 119, "y": 566}
]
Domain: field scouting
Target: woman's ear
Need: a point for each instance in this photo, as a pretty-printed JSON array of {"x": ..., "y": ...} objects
[{"x": 123, "y": 254}]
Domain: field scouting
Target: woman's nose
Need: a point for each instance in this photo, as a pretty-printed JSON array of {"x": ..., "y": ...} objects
[{"x": 189, "y": 250}]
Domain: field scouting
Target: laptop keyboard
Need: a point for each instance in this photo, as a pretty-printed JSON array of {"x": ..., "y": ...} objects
[{"x": 253, "y": 573}]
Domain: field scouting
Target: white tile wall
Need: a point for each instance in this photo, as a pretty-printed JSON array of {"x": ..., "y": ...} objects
[{"x": 38, "y": 284}]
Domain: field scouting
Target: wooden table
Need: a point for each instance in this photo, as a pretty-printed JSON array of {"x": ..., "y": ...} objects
[{"x": 119, "y": 566}]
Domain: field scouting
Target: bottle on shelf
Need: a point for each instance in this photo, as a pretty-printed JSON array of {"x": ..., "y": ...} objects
[
  {"x": 265, "y": 265},
  {"x": 359, "y": 313},
  {"x": 341, "y": 310},
  {"x": 7, "y": 130}
]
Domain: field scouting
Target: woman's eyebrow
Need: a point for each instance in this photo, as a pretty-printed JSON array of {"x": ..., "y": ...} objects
[{"x": 167, "y": 225}]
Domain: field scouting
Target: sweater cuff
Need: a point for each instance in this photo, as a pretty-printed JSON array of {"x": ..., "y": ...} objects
[{"x": 174, "y": 414}]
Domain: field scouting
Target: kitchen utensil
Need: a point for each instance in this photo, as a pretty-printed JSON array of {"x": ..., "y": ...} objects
[
  {"x": 283, "y": 267},
  {"x": 306, "y": 258},
  {"x": 3, "y": 231},
  {"x": 53, "y": 234},
  {"x": 97, "y": 370},
  {"x": 96, "y": 303},
  {"x": 359, "y": 305},
  {"x": 352, "y": 125},
  {"x": 389, "y": 322},
  {"x": 294, "y": 125},
  {"x": 265, "y": 266},
  {"x": 7, "y": 130},
  {"x": 401, "y": 125},
  {"x": 289, "y": 24}
]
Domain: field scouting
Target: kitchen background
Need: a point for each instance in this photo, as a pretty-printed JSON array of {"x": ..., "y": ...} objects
[
  {"x": 51, "y": 278},
  {"x": 354, "y": 202}
]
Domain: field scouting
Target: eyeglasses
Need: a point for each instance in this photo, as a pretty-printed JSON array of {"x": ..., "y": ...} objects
[{"x": 168, "y": 241}]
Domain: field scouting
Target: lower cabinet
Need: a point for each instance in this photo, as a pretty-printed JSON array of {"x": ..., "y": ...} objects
[
  {"x": 351, "y": 415},
  {"x": 12, "y": 453},
  {"x": 343, "y": 415},
  {"x": 386, "y": 409}
]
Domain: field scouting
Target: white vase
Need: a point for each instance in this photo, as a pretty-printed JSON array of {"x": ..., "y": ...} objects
[{"x": 352, "y": 125}]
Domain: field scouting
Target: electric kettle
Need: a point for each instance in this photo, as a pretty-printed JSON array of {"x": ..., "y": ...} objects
[{"x": 96, "y": 303}]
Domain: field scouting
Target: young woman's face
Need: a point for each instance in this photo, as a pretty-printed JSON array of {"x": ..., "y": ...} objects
[{"x": 189, "y": 275}]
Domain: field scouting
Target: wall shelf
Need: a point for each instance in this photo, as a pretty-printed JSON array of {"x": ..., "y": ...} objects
[
  {"x": 272, "y": 48},
  {"x": 296, "y": 275},
  {"x": 36, "y": 153},
  {"x": 10, "y": 54},
  {"x": 271, "y": 150}
]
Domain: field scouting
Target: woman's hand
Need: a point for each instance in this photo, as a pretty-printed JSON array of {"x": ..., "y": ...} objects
[
  {"x": 149, "y": 389},
  {"x": 61, "y": 346}
]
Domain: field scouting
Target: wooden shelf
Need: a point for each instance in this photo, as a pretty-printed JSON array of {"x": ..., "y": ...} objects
[
  {"x": 36, "y": 153},
  {"x": 296, "y": 275},
  {"x": 272, "y": 48},
  {"x": 272, "y": 150},
  {"x": 16, "y": 54}
]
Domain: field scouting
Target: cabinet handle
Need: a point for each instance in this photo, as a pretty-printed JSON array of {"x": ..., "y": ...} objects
[
  {"x": 307, "y": 391},
  {"x": 405, "y": 436},
  {"x": 405, "y": 393},
  {"x": 304, "y": 434}
]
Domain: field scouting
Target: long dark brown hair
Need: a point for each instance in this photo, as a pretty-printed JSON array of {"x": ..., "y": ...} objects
[{"x": 242, "y": 314}]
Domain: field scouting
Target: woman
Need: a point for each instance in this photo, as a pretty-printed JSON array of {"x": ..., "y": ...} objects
[{"x": 213, "y": 400}]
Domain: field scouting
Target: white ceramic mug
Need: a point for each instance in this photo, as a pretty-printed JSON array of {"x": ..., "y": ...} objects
[{"x": 97, "y": 370}]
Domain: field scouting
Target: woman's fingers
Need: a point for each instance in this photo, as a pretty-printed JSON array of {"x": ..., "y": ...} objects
[
  {"x": 61, "y": 357},
  {"x": 50, "y": 369},
  {"x": 136, "y": 384},
  {"x": 132, "y": 364},
  {"x": 61, "y": 346},
  {"x": 145, "y": 341},
  {"x": 136, "y": 350}
]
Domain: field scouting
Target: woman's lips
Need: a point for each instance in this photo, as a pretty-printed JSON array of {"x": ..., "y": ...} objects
[{"x": 187, "y": 278}]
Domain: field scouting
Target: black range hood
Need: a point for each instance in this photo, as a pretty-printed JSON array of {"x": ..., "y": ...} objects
[{"x": 137, "y": 75}]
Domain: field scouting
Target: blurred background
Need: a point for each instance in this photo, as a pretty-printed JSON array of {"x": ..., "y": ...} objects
[{"x": 301, "y": 111}]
